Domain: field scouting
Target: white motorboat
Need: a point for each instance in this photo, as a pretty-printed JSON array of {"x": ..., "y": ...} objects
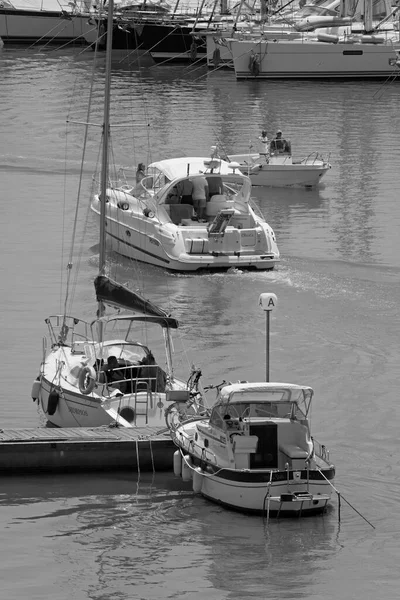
[
  {"x": 110, "y": 370},
  {"x": 281, "y": 170},
  {"x": 254, "y": 450},
  {"x": 153, "y": 223}
]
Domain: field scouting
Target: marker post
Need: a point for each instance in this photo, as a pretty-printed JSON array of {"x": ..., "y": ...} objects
[{"x": 267, "y": 302}]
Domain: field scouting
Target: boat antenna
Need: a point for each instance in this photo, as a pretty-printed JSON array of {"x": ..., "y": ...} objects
[
  {"x": 106, "y": 137},
  {"x": 267, "y": 302}
]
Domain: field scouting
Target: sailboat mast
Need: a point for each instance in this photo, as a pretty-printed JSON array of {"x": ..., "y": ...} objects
[{"x": 106, "y": 136}]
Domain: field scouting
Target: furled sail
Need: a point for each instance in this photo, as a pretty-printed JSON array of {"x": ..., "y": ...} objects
[{"x": 113, "y": 293}]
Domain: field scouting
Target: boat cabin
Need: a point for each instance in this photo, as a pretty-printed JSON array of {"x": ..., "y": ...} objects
[{"x": 265, "y": 424}]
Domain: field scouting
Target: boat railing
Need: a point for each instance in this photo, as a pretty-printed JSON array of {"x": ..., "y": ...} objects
[
  {"x": 320, "y": 450},
  {"x": 132, "y": 379},
  {"x": 68, "y": 331}
]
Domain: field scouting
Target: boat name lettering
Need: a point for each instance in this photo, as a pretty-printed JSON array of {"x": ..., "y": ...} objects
[
  {"x": 247, "y": 233},
  {"x": 78, "y": 411}
]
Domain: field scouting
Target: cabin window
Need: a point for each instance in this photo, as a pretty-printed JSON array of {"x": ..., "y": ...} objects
[{"x": 352, "y": 52}]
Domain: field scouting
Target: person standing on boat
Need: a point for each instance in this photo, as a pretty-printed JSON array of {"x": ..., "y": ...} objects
[
  {"x": 200, "y": 195},
  {"x": 264, "y": 144},
  {"x": 185, "y": 189},
  {"x": 141, "y": 172},
  {"x": 279, "y": 145}
]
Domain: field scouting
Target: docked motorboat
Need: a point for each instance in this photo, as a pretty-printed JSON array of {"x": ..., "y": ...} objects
[
  {"x": 281, "y": 170},
  {"x": 153, "y": 222},
  {"x": 254, "y": 450}
]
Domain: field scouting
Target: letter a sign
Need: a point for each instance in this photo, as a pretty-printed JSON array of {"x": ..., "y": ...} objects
[{"x": 268, "y": 301}]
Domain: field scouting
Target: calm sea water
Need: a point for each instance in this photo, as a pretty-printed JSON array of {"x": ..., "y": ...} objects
[{"x": 336, "y": 329}]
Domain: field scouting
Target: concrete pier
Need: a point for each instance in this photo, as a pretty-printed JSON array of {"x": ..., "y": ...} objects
[{"x": 85, "y": 449}]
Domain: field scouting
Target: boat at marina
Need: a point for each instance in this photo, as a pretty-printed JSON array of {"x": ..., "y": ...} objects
[
  {"x": 254, "y": 450},
  {"x": 23, "y": 22},
  {"x": 356, "y": 51},
  {"x": 117, "y": 368},
  {"x": 156, "y": 221},
  {"x": 280, "y": 170}
]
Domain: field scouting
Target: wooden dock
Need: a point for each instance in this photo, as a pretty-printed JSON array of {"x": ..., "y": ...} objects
[{"x": 85, "y": 449}]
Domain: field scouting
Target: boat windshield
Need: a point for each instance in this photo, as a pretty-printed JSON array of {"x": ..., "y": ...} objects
[{"x": 270, "y": 404}]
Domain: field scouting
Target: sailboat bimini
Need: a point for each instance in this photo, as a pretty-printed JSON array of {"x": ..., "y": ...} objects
[{"x": 110, "y": 370}]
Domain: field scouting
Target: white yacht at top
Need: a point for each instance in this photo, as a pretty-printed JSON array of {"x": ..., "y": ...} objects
[
  {"x": 367, "y": 50},
  {"x": 155, "y": 223}
]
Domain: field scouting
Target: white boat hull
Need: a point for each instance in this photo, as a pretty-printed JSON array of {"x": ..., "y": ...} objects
[
  {"x": 30, "y": 26},
  {"x": 307, "y": 173},
  {"x": 313, "y": 59},
  {"x": 279, "y": 498},
  {"x": 130, "y": 235},
  {"x": 77, "y": 410}
]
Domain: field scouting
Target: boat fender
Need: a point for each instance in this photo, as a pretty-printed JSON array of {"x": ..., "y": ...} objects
[
  {"x": 52, "y": 402},
  {"x": 186, "y": 468},
  {"x": 216, "y": 57},
  {"x": 87, "y": 380},
  {"x": 177, "y": 463},
  {"x": 254, "y": 65},
  {"x": 197, "y": 480},
  {"x": 148, "y": 213},
  {"x": 35, "y": 394}
]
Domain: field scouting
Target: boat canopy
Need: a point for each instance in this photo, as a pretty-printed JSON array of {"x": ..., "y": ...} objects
[
  {"x": 175, "y": 168},
  {"x": 117, "y": 295},
  {"x": 261, "y": 400}
]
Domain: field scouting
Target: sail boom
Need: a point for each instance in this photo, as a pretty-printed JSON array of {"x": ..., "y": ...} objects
[{"x": 119, "y": 296}]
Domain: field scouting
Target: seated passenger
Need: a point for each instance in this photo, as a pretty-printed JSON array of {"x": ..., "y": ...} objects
[{"x": 173, "y": 196}]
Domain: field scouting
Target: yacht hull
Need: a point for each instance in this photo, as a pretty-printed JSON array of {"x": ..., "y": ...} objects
[
  {"x": 312, "y": 59},
  {"x": 137, "y": 238},
  {"x": 20, "y": 26}
]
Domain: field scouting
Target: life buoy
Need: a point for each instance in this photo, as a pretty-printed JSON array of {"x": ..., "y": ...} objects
[
  {"x": 87, "y": 380},
  {"x": 52, "y": 402}
]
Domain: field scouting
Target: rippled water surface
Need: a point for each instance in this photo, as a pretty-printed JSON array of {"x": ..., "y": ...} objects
[{"x": 336, "y": 329}]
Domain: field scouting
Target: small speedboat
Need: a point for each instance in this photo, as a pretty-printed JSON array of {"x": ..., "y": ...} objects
[
  {"x": 156, "y": 221},
  {"x": 254, "y": 451},
  {"x": 281, "y": 170}
]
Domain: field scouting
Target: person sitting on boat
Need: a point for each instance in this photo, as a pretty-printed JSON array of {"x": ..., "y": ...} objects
[
  {"x": 173, "y": 196},
  {"x": 185, "y": 189},
  {"x": 141, "y": 172},
  {"x": 279, "y": 145}
]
